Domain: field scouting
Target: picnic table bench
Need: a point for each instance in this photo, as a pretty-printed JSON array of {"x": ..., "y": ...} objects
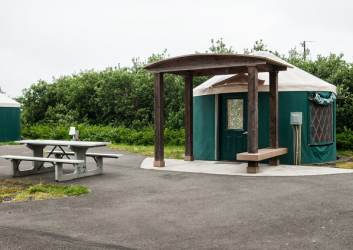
[
  {"x": 16, "y": 160},
  {"x": 95, "y": 156}
]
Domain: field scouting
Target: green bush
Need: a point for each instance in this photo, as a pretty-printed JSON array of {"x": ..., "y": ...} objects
[
  {"x": 345, "y": 139},
  {"x": 143, "y": 136}
]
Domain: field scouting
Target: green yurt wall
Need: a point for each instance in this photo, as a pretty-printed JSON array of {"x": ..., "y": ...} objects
[
  {"x": 10, "y": 123},
  {"x": 295, "y": 101}
]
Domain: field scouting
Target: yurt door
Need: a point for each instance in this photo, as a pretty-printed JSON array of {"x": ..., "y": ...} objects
[{"x": 233, "y": 127}]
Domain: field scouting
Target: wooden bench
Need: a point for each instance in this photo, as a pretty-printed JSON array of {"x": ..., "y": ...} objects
[
  {"x": 262, "y": 154},
  {"x": 59, "y": 176}
]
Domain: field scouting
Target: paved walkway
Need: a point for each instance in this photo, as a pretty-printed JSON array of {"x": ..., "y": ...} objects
[
  {"x": 133, "y": 208},
  {"x": 212, "y": 167}
]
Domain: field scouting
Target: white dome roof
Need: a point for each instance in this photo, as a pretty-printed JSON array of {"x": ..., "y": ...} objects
[
  {"x": 294, "y": 79},
  {"x": 8, "y": 102}
]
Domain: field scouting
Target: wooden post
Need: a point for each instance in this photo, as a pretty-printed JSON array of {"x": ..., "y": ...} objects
[
  {"x": 274, "y": 115},
  {"x": 158, "y": 120},
  {"x": 189, "y": 145},
  {"x": 216, "y": 128},
  {"x": 253, "y": 117}
]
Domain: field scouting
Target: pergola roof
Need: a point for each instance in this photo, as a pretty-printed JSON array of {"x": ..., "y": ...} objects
[{"x": 214, "y": 64}]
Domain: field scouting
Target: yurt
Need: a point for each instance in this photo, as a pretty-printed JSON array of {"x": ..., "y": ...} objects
[
  {"x": 220, "y": 116},
  {"x": 10, "y": 125}
]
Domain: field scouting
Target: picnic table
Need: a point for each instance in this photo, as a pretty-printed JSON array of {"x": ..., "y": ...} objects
[{"x": 79, "y": 149}]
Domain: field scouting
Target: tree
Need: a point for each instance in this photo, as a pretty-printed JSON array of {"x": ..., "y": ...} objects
[
  {"x": 2, "y": 92},
  {"x": 220, "y": 47}
]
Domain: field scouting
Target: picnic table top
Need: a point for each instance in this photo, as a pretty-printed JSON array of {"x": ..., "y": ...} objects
[{"x": 64, "y": 143}]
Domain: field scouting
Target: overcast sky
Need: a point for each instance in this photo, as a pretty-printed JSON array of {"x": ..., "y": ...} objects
[{"x": 45, "y": 39}]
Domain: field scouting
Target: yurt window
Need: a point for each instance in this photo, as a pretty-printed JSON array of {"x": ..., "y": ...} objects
[
  {"x": 235, "y": 113},
  {"x": 321, "y": 123},
  {"x": 321, "y": 117}
]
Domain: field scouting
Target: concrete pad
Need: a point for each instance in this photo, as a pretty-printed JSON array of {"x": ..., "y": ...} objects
[{"x": 214, "y": 167}]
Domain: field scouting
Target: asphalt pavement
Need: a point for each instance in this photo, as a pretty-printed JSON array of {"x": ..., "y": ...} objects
[{"x": 134, "y": 208}]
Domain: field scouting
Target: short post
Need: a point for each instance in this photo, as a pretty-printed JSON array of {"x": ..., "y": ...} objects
[{"x": 76, "y": 135}]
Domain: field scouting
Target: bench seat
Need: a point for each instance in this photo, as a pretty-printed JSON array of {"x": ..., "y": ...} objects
[
  {"x": 58, "y": 168},
  {"x": 41, "y": 159},
  {"x": 262, "y": 154},
  {"x": 87, "y": 154}
]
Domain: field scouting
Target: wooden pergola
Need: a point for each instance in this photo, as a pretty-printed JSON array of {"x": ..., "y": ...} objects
[{"x": 190, "y": 66}]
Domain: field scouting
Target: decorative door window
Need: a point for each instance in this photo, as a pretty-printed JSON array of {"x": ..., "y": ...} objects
[{"x": 235, "y": 113}]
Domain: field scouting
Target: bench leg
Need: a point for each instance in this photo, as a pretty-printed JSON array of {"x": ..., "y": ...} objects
[
  {"x": 253, "y": 167},
  {"x": 16, "y": 172},
  {"x": 83, "y": 172},
  {"x": 274, "y": 161},
  {"x": 99, "y": 168},
  {"x": 59, "y": 173}
]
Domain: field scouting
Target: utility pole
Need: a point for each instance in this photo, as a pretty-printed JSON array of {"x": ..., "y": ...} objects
[{"x": 304, "y": 45}]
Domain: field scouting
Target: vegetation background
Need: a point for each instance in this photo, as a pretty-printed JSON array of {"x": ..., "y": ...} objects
[{"x": 116, "y": 104}]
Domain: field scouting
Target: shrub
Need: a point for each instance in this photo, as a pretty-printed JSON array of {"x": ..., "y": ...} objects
[
  {"x": 345, "y": 139},
  {"x": 121, "y": 134}
]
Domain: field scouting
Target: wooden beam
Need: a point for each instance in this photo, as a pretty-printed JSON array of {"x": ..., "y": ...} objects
[
  {"x": 158, "y": 120},
  {"x": 189, "y": 145},
  {"x": 219, "y": 71},
  {"x": 253, "y": 117},
  {"x": 204, "y": 62},
  {"x": 274, "y": 115},
  {"x": 209, "y": 72},
  {"x": 270, "y": 68}
]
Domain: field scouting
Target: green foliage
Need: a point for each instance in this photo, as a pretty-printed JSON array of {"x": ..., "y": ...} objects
[
  {"x": 2, "y": 92},
  {"x": 220, "y": 47},
  {"x": 130, "y": 136},
  {"x": 345, "y": 139},
  {"x": 114, "y": 96},
  {"x": 344, "y": 108},
  {"x": 258, "y": 46}
]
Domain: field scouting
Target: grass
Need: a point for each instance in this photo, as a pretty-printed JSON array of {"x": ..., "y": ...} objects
[
  {"x": 14, "y": 190},
  {"x": 345, "y": 153},
  {"x": 346, "y": 165},
  {"x": 8, "y": 143},
  {"x": 170, "y": 152}
]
